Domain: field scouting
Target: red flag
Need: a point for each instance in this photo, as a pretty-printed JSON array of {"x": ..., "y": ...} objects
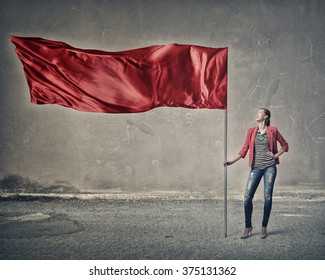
[{"x": 125, "y": 81}]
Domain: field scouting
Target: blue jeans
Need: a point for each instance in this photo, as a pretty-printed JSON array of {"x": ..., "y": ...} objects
[{"x": 254, "y": 179}]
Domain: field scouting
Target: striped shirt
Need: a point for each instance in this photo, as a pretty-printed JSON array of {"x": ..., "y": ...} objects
[{"x": 261, "y": 147}]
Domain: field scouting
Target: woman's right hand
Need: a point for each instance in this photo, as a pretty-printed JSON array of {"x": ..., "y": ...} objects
[{"x": 230, "y": 162}]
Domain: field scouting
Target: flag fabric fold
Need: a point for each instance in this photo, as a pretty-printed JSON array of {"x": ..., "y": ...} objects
[{"x": 128, "y": 81}]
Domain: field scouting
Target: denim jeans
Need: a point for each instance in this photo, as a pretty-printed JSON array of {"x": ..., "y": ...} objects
[{"x": 254, "y": 179}]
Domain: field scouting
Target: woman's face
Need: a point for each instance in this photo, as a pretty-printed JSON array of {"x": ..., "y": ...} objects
[{"x": 260, "y": 115}]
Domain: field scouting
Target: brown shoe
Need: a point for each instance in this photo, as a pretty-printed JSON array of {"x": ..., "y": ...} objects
[
  {"x": 263, "y": 234},
  {"x": 247, "y": 233}
]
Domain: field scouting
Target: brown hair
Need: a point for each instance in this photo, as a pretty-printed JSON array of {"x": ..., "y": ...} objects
[{"x": 268, "y": 113}]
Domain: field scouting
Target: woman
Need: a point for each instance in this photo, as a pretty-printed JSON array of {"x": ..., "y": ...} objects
[{"x": 261, "y": 141}]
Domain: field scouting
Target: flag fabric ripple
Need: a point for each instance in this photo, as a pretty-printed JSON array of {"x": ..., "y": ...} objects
[{"x": 127, "y": 81}]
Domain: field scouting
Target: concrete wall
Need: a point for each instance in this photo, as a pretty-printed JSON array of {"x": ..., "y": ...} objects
[{"x": 276, "y": 60}]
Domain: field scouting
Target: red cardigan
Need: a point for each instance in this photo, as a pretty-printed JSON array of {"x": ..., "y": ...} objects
[{"x": 273, "y": 135}]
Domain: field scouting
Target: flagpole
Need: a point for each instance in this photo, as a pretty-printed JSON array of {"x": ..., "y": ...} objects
[
  {"x": 225, "y": 174},
  {"x": 225, "y": 200}
]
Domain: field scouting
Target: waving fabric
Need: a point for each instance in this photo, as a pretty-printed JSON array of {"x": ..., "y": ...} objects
[{"x": 128, "y": 81}]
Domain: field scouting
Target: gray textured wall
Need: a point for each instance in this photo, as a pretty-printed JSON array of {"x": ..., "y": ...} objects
[{"x": 276, "y": 60}]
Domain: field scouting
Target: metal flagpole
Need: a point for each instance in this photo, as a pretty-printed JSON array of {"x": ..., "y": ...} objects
[
  {"x": 225, "y": 174},
  {"x": 225, "y": 167}
]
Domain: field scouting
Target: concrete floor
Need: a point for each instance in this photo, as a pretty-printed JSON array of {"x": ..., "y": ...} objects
[{"x": 52, "y": 228}]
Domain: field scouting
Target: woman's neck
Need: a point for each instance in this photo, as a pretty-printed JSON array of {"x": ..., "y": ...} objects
[{"x": 262, "y": 127}]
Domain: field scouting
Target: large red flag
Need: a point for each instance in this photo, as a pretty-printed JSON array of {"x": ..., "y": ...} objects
[{"x": 125, "y": 81}]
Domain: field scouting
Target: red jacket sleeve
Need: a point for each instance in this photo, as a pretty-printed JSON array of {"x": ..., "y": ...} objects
[
  {"x": 284, "y": 144},
  {"x": 243, "y": 151}
]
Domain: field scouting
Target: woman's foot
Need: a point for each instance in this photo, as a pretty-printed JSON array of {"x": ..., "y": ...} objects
[
  {"x": 247, "y": 233},
  {"x": 263, "y": 234}
]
